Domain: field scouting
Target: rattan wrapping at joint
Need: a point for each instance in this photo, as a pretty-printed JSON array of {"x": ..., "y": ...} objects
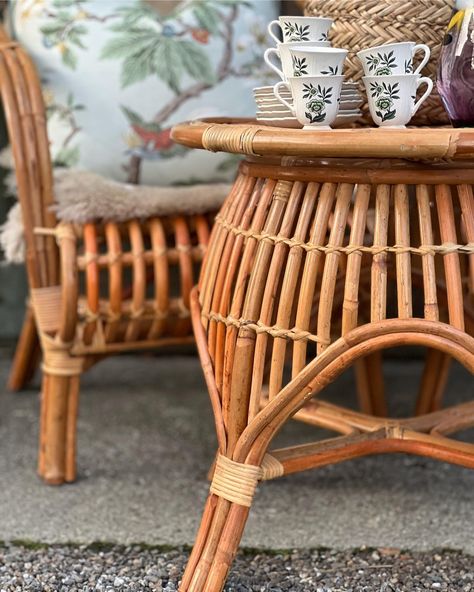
[
  {"x": 60, "y": 363},
  {"x": 236, "y": 139},
  {"x": 271, "y": 468},
  {"x": 57, "y": 360},
  {"x": 237, "y": 482},
  {"x": 46, "y": 303}
]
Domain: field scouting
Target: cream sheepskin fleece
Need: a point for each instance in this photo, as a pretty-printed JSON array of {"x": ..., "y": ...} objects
[
  {"x": 11, "y": 236},
  {"x": 81, "y": 196}
]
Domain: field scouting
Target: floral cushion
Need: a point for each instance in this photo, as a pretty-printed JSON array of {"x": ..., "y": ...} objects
[{"x": 117, "y": 74}]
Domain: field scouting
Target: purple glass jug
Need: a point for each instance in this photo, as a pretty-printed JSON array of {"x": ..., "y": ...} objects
[{"x": 456, "y": 66}]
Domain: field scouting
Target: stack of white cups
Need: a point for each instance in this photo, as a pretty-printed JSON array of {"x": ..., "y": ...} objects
[
  {"x": 311, "y": 70},
  {"x": 391, "y": 83}
]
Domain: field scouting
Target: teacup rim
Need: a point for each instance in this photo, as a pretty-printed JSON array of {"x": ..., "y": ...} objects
[
  {"x": 392, "y": 76},
  {"x": 322, "y": 77},
  {"x": 350, "y": 85},
  {"x": 304, "y": 43},
  {"x": 302, "y": 16},
  {"x": 385, "y": 45},
  {"x": 321, "y": 49}
]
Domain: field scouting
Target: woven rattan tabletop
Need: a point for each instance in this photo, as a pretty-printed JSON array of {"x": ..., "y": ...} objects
[{"x": 246, "y": 136}]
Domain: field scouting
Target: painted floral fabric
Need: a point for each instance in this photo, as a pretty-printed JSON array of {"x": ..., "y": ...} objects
[{"x": 117, "y": 74}]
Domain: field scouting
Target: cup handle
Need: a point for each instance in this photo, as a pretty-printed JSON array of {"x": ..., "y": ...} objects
[
  {"x": 429, "y": 84},
  {"x": 276, "y": 92},
  {"x": 270, "y": 30},
  {"x": 266, "y": 56},
  {"x": 427, "y": 51}
]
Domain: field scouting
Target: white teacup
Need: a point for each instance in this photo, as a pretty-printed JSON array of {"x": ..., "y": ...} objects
[
  {"x": 315, "y": 99},
  {"x": 393, "y": 59},
  {"x": 300, "y": 28},
  {"x": 392, "y": 99},
  {"x": 282, "y": 52},
  {"x": 317, "y": 61}
]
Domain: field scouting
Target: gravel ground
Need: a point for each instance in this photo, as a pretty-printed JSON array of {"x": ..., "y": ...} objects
[{"x": 123, "y": 569}]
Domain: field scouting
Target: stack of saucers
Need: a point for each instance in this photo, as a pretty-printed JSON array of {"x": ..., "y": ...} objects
[{"x": 271, "y": 111}]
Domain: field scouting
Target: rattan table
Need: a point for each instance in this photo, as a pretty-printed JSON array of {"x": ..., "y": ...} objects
[{"x": 330, "y": 247}]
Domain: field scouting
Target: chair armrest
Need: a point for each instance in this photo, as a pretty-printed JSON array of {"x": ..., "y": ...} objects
[
  {"x": 56, "y": 306},
  {"x": 67, "y": 241}
]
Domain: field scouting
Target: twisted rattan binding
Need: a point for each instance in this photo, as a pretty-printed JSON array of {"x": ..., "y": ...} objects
[{"x": 359, "y": 25}]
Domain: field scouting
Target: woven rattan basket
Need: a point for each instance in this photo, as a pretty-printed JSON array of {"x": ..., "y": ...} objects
[{"x": 359, "y": 24}]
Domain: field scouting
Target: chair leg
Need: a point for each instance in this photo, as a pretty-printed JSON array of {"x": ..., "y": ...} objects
[
  {"x": 216, "y": 545},
  {"x": 57, "y": 446},
  {"x": 27, "y": 354},
  {"x": 433, "y": 382},
  {"x": 370, "y": 385}
]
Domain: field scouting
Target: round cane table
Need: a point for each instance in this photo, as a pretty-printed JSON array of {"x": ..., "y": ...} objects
[{"x": 331, "y": 246}]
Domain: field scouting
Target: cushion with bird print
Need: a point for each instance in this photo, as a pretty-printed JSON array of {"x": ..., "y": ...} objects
[{"x": 117, "y": 74}]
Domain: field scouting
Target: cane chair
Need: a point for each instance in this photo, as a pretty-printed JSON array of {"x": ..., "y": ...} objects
[{"x": 68, "y": 266}]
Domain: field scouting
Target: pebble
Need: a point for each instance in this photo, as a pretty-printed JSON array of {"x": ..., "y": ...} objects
[{"x": 134, "y": 569}]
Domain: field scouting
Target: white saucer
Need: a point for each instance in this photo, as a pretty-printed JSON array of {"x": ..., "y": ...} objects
[
  {"x": 345, "y": 85},
  {"x": 274, "y": 114},
  {"x": 343, "y": 119},
  {"x": 350, "y": 104},
  {"x": 290, "y": 122}
]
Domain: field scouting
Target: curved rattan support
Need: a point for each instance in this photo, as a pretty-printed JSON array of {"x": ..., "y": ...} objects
[
  {"x": 25, "y": 117},
  {"x": 21, "y": 96},
  {"x": 227, "y": 508},
  {"x": 342, "y": 354}
]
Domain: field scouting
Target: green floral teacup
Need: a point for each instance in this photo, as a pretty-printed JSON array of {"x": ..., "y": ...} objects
[
  {"x": 392, "y": 99},
  {"x": 317, "y": 61},
  {"x": 315, "y": 99},
  {"x": 300, "y": 28},
  {"x": 393, "y": 59},
  {"x": 282, "y": 53}
]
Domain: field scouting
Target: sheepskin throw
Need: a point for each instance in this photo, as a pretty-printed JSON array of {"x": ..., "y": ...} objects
[{"x": 81, "y": 196}]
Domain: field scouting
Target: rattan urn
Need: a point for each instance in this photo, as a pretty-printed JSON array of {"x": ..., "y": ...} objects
[{"x": 359, "y": 24}]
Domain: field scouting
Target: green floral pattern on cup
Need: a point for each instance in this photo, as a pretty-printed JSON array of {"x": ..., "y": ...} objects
[
  {"x": 385, "y": 94},
  {"x": 382, "y": 64},
  {"x": 331, "y": 71},
  {"x": 318, "y": 97},
  {"x": 299, "y": 66},
  {"x": 295, "y": 32}
]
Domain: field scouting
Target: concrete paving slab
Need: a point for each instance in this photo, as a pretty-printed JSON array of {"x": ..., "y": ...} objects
[{"x": 146, "y": 440}]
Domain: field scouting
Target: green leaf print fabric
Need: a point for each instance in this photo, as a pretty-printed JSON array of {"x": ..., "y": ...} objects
[{"x": 117, "y": 74}]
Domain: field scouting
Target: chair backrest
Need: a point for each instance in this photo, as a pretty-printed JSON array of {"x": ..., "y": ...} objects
[{"x": 26, "y": 123}]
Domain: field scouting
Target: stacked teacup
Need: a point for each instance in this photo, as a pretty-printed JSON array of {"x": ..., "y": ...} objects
[
  {"x": 392, "y": 84},
  {"x": 311, "y": 70}
]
